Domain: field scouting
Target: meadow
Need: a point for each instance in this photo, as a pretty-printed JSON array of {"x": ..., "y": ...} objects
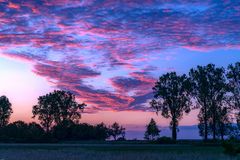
[{"x": 109, "y": 151}]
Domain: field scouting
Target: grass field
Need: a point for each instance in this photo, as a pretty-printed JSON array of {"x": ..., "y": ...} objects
[{"x": 111, "y": 152}]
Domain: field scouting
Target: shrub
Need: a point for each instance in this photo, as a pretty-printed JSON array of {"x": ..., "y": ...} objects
[
  {"x": 165, "y": 140},
  {"x": 231, "y": 148}
]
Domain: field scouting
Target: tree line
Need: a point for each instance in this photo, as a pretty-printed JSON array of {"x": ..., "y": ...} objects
[
  {"x": 215, "y": 91},
  {"x": 58, "y": 114}
]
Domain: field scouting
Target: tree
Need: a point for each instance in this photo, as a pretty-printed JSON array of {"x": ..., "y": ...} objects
[
  {"x": 172, "y": 98},
  {"x": 20, "y": 131},
  {"x": 63, "y": 130},
  {"x": 116, "y": 130},
  {"x": 57, "y": 107},
  {"x": 83, "y": 132},
  {"x": 201, "y": 91},
  {"x": 209, "y": 90},
  {"x": 233, "y": 75},
  {"x": 5, "y": 111},
  {"x": 152, "y": 131},
  {"x": 35, "y": 132},
  {"x": 17, "y": 131},
  {"x": 224, "y": 123},
  {"x": 101, "y": 131},
  {"x": 203, "y": 126}
]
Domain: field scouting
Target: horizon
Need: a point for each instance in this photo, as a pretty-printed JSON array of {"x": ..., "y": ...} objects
[{"x": 111, "y": 54}]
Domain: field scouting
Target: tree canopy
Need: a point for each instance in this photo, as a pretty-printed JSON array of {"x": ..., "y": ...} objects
[
  {"x": 233, "y": 75},
  {"x": 57, "y": 107},
  {"x": 209, "y": 88},
  {"x": 116, "y": 130}
]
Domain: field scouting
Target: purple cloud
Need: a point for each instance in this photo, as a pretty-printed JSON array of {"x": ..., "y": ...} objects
[{"x": 73, "y": 41}]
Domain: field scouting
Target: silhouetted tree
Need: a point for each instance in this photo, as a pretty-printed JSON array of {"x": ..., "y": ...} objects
[
  {"x": 17, "y": 131},
  {"x": 102, "y": 131},
  {"x": 57, "y": 107},
  {"x": 63, "y": 130},
  {"x": 20, "y": 131},
  {"x": 116, "y": 130},
  {"x": 172, "y": 98},
  {"x": 83, "y": 131},
  {"x": 200, "y": 85},
  {"x": 35, "y": 132},
  {"x": 152, "y": 131},
  {"x": 224, "y": 123},
  {"x": 233, "y": 75},
  {"x": 209, "y": 89},
  {"x": 203, "y": 126},
  {"x": 89, "y": 132},
  {"x": 5, "y": 111}
]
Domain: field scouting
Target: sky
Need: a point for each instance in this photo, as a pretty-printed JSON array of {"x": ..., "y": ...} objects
[{"x": 110, "y": 53}]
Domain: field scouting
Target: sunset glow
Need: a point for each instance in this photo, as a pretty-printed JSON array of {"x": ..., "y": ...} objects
[{"x": 110, "y": 53}]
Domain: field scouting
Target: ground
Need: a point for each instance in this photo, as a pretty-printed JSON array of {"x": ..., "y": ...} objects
[{"x": 98, "y": 151}]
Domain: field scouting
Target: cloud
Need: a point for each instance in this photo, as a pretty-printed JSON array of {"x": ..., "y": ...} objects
[{"x": 70, "y": 42}]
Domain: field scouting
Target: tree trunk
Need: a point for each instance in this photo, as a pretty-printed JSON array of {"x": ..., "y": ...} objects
[
  {"x": 214, "y": 123},
  {"x": 222, "y": 131},
  {"x": 214, "y": 132},
  {"x": 205, "y": 124},
  {"x": 47, "y": 128},
  {"x": 174, "y": 130}
]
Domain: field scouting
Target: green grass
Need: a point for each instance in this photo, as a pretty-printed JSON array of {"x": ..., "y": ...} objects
[{"x": 109, "y": 151}]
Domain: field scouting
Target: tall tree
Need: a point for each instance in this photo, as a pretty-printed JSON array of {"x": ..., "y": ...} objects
[
  {"x": 44, "y": 110},
  {"x": 203, "y": 125},
  {"x": 209, "y": 90},
  {"x": 116, "y": 130},
  {"x": 57, "y": 107},
  {"x": 233, "y": 75},
  {"x": 172, "y": 98},
  {"x": 224, "y": 122},
  {"x": 5, "y": 111},
  {"x": 201, "y": 91},
  {"x": 152, "y": 131}
]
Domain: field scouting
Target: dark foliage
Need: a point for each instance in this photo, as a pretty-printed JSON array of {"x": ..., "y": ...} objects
[
  {"x": 152, "y": 131},
  {"x": 5, "y": 111},
  {"x": 172, "y": 98},
  {"x": 21, "y": 132},
  {"x": 117, "y": 131},
  {"x": 210, "y": 89},
  {"x": 231, "y": 148},
  {"x": 69, "y": 131},
  {"x": 56, "y": 108},
  {"x": 165, "y": 140}
]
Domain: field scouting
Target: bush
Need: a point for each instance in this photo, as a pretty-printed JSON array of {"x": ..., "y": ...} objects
[
  {"x": 121, "y": 139},
  {"x": 165, "y": 140},
  {"x": 63, "y": 130},
  {"x": 231, "y": 148},
  {"x": 20, "y": 132}
]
